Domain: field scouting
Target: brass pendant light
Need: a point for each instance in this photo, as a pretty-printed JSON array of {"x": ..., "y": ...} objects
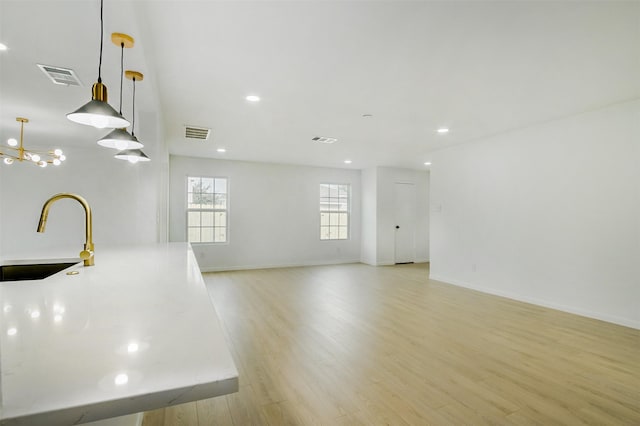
[
  {"x": 120, "y": 139},
  {"x": 133, "y": 155},
  {"x": 97, "y": 112}
]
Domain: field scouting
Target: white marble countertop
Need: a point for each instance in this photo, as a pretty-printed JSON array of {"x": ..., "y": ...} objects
[{"x": 135, "y": 332}]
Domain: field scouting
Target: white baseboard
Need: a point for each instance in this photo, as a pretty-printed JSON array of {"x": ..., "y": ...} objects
[
  {"x": 390, "y": 263},
  {"x": 540, "y": 302},
  {"x": 277, "y": 265},
  {"x": 295, "y": 265}
]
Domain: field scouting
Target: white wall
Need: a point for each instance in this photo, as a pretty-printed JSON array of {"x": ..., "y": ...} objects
[
  {"x": 387, "y": 177},
  {"x": 273, "y": 214},
  {"x": 378, "y": 213},
  {"x": 368, "y": 243},
  {"x": 125, "y": 199},
  {"x": 1, "y": 204},
  {"x": 549, "y": 214}
]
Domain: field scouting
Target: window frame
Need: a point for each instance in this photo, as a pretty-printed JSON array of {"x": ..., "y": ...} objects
[
  {"x": 347, "y": 211},
  {"x": 201, "y": 210}
]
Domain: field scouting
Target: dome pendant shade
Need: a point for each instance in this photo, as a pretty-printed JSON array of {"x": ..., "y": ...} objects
[
  {"x": 132, "y": 156},
  {"x": 120, "y": 139},
  {"x": 97, "y": 112}
]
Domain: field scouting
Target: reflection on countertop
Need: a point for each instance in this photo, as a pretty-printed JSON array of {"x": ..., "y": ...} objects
[{"x": 136, "y": 331}]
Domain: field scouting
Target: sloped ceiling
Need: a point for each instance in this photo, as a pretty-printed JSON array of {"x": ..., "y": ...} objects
[{"x": 479, "y": 68}]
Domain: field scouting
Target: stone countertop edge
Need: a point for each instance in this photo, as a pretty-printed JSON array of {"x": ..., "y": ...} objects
[{"x": 142, "y": 313}]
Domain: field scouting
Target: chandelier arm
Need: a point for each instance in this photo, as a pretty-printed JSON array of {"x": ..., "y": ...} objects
[{"x": 10, "y": 156}]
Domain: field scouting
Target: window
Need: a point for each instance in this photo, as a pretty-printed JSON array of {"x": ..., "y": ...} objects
[
  {"x": 334, "y": 211},
  {"x": 207, "y": 203}
]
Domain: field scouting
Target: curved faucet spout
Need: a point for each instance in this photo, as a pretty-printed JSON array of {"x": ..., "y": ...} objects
[{"x": 87, "y": 253}]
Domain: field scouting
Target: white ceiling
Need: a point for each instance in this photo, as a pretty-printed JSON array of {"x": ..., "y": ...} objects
[{"x": 479, "y": 68}]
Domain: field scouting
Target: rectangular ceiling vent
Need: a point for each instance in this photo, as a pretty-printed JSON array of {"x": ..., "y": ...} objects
[
  {"x": 323, "y": 139},
  {"x": 200, "y": 133},
  {"x": 59, "y": 75}
]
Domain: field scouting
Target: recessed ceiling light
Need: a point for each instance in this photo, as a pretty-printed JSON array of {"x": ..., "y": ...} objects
[
  {"x": 348, "y": 161},
  {"x": 3, "y": 46},
  {"x": 221, "y": 150},
  {"x": 427, "y": 163},
  {"x": 253, "y": 98},
  {"x": 443, "y": 130}
]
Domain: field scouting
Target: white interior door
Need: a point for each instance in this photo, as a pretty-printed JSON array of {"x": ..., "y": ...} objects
[{"x": 405, "y": 223}]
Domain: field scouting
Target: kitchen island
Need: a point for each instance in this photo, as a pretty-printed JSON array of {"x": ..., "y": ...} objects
[{"x": 135, "y": 332}]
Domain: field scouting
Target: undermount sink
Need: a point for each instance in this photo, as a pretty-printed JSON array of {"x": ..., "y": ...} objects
[{"x": 37, "y": 271}]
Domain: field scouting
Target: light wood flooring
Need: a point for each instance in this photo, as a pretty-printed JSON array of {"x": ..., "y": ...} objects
[{"x": 360, "y": 345}]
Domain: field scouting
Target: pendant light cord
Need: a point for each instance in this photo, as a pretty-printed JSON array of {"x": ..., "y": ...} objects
[
  {"x": 121, "y": 72},
  {"x": 133, "y": 119},
  {"x": 101, "y": 41}
]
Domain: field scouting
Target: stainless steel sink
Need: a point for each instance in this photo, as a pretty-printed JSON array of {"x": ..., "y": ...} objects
[{"x": 33, "y": 271}]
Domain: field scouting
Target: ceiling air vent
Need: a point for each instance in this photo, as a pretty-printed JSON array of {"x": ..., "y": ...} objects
[
  {"x": 192, "y": 132},
  {"x": 59, "y": 75},
  {"x": 323, "y": 139}
]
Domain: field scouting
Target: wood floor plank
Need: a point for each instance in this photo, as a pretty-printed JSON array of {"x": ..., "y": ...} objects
[
  {"x": 355, "y": 344},
  {"x": 243, "y": 408},
  {"x": 181, "y": 415},
  {"x": 154, "y": 418},
  {"x": 213, "y": 411}
]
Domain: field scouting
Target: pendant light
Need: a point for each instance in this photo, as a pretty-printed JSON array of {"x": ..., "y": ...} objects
[
  {"x": 120, "y": 139},
  {"x": 97, "y": 112},
  {"x": 133, "y": 155}
]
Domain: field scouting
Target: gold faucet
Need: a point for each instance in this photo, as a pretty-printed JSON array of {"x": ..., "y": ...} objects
[{"x": 87, "y": 253}]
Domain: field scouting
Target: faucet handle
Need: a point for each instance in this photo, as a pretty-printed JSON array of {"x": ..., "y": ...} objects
[{"x": 87, "y": 257}]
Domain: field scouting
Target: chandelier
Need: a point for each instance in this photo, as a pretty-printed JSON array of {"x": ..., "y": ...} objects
[{"x": 17, "y": 152}]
